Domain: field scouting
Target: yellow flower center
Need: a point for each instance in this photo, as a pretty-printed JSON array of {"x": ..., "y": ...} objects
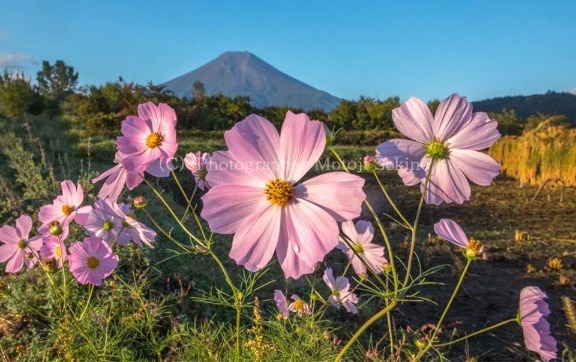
[
  {"x": 436, "y": 149},
  {"x": 299, "y": 305},
  {"x": 67, "y": 209},
  {"x": 22, "y": 244},
  {"x": 474, "y": 248},
  {"x": 358, "y": 248},
  {"x": 279, "y": 192},
  {"x": 154, "y": 140},
  {"x": 58, "y": 252},
  {"x": 107, "y": 225},
  {"x": 92, "y": 262}
]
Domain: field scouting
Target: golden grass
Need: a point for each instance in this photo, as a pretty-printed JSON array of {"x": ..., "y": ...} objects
[{"x": 545, "y": 154}]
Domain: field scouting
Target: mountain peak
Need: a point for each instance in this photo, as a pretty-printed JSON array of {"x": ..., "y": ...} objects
[{"x": 241, "y": 73}]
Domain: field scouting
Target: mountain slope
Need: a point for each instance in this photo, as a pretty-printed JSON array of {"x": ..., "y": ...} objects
[{"x": 244, "y": 74}]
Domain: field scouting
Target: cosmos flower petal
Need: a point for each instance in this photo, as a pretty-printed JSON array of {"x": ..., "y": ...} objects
[
  {"x": 9, "y": 234},
  {"x": 162, "y": 112},
  {"x": 254, "y": 243},
  {"x": 226, "y": 207},
  {"x": 24, "y": 226},
  {"x": 223, "y": 169},
  {"x": 535, "y": 327},
  {"x": 452, "y": 232},
  {"x": 478, "y": 167},
  {"x": 479, "y": 134},
  {"x": 255, "y": 139},
  {"x": 414, "y": 119},
  {"x": 15, "y": 264},
  {"x": 447, "y": 184},
  {"x": 339, "y": 193},
  {"x": 404, "y": 156},
  {"x": 281, "y": 303},
  {"x": 310, "y": 236},
  {"x": 7, "y": 251},
  {"x": 302, "y": 142},
  {"x": 451, "y": 116}
]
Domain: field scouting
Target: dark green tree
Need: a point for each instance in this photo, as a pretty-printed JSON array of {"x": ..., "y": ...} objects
[
  {"x": 56, "y": 80},
  {"x": 17, "y": 96}
]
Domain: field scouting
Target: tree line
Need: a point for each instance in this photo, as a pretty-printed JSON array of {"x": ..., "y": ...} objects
[{"x": 100, "y": 108}]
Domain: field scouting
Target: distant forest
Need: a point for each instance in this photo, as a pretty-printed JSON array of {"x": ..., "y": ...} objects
[{"x": 99, "y": 109}]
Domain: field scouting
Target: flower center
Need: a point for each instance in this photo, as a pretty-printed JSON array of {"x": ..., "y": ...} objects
[
  {"x": 107, "y": 225},
  {"x": 474, "y": 248},
  {"x": 299, "y": 305},
  {"x": 58, "y": 252},
  {"x": 67, "y": 209},
  {"x": 54, "y": 228},
  {"x": 92, "y": 262},
  {"x": 279, "y": 192},
  {"x": 202, "y": 174},
  {"x": 336, "y": 293},
  {"x": 154, "y": 140},
  {"x": 358, "y": 248},
  {"x": 22, "y": 244},
  {"x": 436, "y": 149}
]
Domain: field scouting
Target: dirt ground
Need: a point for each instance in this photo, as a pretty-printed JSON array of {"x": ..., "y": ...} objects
[{"x": 528, "y": 243}]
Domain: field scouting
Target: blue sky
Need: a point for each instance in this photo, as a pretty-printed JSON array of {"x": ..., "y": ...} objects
[{"x": 428, "y": 49}]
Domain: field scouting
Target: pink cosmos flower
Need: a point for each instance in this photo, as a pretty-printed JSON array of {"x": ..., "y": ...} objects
[
  {"x": 256, "y": 195},
  {"x": 452, "y": 232},
  {"x": 536, "y": 329},
  {"x": 92, "y": 261},
  {"x": 55, "y": 249},
  {"x": 18, "y": 249},
  {"x": 117, "y": 177},
  {"x": 361, "y": 235},
  {"x": 449, "y": 141},
  {"x": 54, "y": 228},
  {"x": 281, "y": 304},
  {"x": 133, "y": 230},
  {"x": 149, "y": 139},
  {"x": 103, "y": 222},
  {"x": 299, "y": 306},
  {"x": 66, "y": 207},
  {"x": 340, "y": 292},
  {"x": 197, "y": 163}
]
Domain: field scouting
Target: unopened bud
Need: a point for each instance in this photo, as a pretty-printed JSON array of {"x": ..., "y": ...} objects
[
  {"x": 370, "y": 163},
  {"x": 140, "y": 202}
]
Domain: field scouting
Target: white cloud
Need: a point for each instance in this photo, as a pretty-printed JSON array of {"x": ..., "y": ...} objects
[
  {"x": 12, "y": 60},
  {"x": 573, "y": 91}
]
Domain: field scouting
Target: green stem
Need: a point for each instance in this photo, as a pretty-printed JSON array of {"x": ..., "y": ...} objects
[
  {"x": 415, "y": 226},
  {"x": 361, "y": 330},
  {"x": 445, "y": 312},
  {"x": 390, "y": 332},
  {"x": 188, "y": 204},
  {"x": 378, "y": 222},
  {"x": 174, "y": 216},
  {"x": 91, "y": 287},
  {"x": 478, "y": 332},
  {"x": 390, "y": 201}
]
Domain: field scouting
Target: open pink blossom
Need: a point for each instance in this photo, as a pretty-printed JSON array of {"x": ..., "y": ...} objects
[
  {"x": 92, "y": 260},
  {"x": 363, "y": 252},
  {"x": 117, "y": 177},
  {"x": 149, "y": 139},
  {"x": 256, "y": 195},
  {"x": 299, "y": 306},
  {"x": 18, "y": 249},
  {"x": 66, "y": 207},
  {"x": 54, "y": 248},
  {"x": 133, "y": 231},
  {"x": 452, "y": 232},
  {"x": 103, "y": 222},
  {"x": 198, "y": 163},
  {"x": 447, "y": 142},
  {"x": 536, "y": 329},
  {"x": 341, "y": 296}
]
